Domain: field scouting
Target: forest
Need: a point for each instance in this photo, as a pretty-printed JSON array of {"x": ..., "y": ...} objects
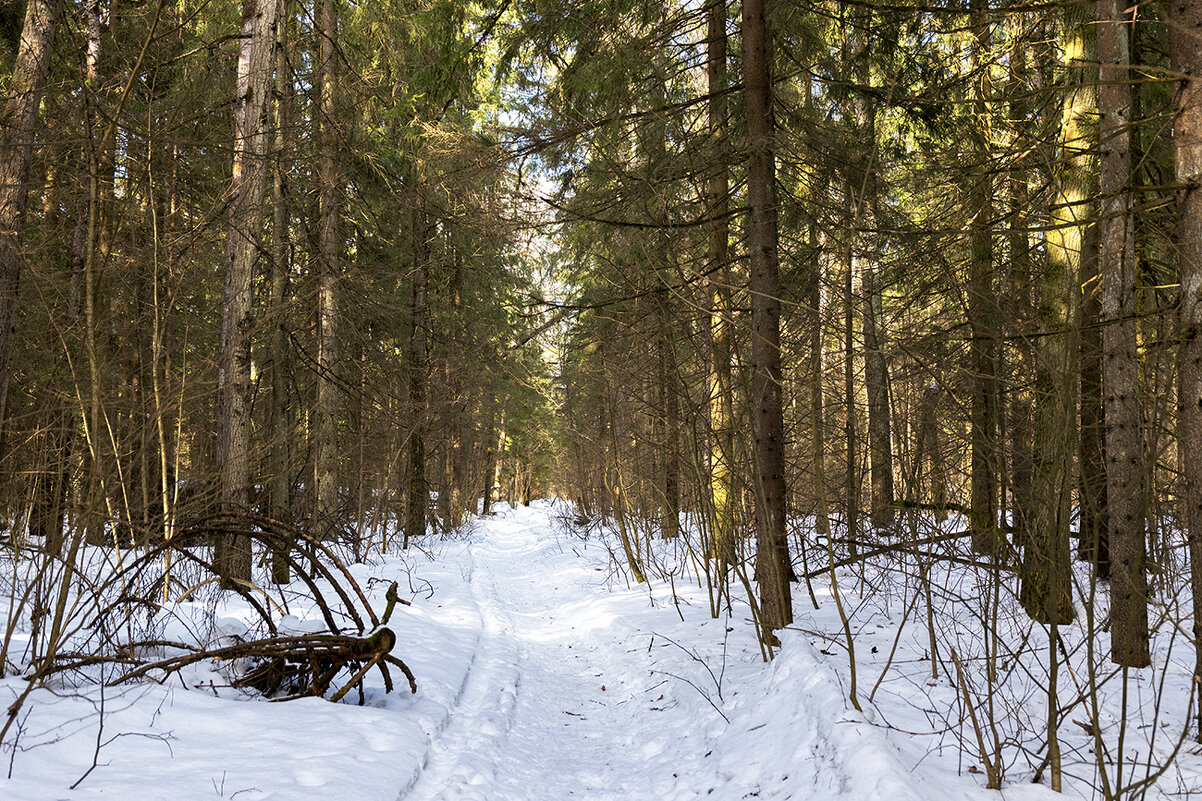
[{"x": 835, "y": 317}]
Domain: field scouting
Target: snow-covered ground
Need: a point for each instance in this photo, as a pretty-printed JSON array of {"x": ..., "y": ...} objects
[{"x": 542, "y": 674}]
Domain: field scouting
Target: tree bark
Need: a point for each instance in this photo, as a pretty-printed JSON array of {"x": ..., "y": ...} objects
[
  {"x": 1091, "y": 485},
  {"x": 415, "y": 518},
  {"x": 329, "y": 208},
  {"x": 669, "y": 519},
  {"x": 813, "y": 316},
  {"x": 1019, "y": 410},
  {"x": 458, "y": 405},
  {"x": 876, "y": 367},
  {"x": 772, "y": 555},
  {"x": 279, "y": 469},
  {"x": 721, "y": 392},
  {"x": 981, "y": 300},
  {"x": 876, "y": 385},
  {"x": 94, "y": 248},
  {"x": 232, "y": 557},
  {"x": 1046, "y": 591},
  {"x": 18, "y": 128},
  {"x": 1185, "y": 54},
  {"x": 1124, "y": 451}
]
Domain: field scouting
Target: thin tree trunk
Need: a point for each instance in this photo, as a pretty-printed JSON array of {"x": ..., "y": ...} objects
[
  {"x": 415, "y": 518},
  {"x": 670, "y": 403},
  {"x": 47, "y": 516},
  {"x": 813, "y": 309},
  {"x": 93, "y": 251},
  {"x": 876, "y": 368},
  {"x": 458, "y": 411},
  {"x": 1018, "y": 293},
  {"x": 278, "y": 428},
  {"x": 721, "y": 393},
  {"x": 772, "y": 555},
  {"x": 325, "y": 404},
  {"x": 1091, "y": 491},
  {"x": 850, "y": 432},
  {"x": 981, "y": 298},
  {"x": 492, "y": 462}
]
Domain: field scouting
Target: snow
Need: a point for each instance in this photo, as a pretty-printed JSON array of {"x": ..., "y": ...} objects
[{"x": 542, "y": 674}]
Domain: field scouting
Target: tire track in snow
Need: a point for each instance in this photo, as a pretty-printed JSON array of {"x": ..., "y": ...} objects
[
  {"x": 466, "y": 749},
  {"x": 571, "y": 737},
  {"x": 580, "y": 728}
]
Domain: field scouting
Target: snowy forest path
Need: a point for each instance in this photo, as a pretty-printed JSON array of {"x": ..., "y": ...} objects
[
  {"x": 552, "y": 706},
  {"x": 464, "y": 755}
]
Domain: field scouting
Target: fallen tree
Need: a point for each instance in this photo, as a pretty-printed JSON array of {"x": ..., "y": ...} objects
[{"x": 113, "y": 638}]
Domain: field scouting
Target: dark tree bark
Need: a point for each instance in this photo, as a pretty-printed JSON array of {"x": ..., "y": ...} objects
[
  {"x": 772, "y": 555},
  {"x": 1046, "y": 581},
  {"x": 876, "y": 384},
  {"x": 329, "y": 210},
  {"x": 670, "y": 404},
  {"x": 981, "y": 304},
  {"x": 721, "y": 393},
  {"x": 1017, "y": 300},
  {"x": 876, "y": 367},
  {"x": 1124, "y": 452},
  {"x": 415, "y": 517},
  {"x": 278, "y": 428},
  {"x": 458, "y": 411},
  {"x": 1091, "y": 485}
]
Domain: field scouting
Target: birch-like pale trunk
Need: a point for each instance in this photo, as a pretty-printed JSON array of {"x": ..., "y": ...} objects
[{"x": 244, "y": 230}]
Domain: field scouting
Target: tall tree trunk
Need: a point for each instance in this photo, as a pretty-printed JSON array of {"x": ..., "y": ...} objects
[
  {"x": 1185, "y": 50},
  {"x": 18, "y": 128},
  {"x": 813, "y": 310},
  {"x": 325, "y": 404},
  {"x": 876, "y": 367},
  {"x": 232, "y": 556},
  {"x": 458, "y": 405},
  {"x": 850, "y": 427},
  {"x": 1018, "y": 294},
  {"x": 721, "y": 392},
  {"x": 1091, "y": 485},
  {"x": 415, "y": 518},
  {"x": 493, "y": 456},
  {"x": 95, "y": 245},
  {"x": 49, "y": 496},
  {"x": 278, "y": 429},
  {"x": 981, "y": 300},
  {"x": 876, "y": 384},
  {"x": 1124, "y": 450},
  {"x": 669, "y": 516},
  {"x": 772, "y": 554},
  {"x": 1046, "y": 591}
]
